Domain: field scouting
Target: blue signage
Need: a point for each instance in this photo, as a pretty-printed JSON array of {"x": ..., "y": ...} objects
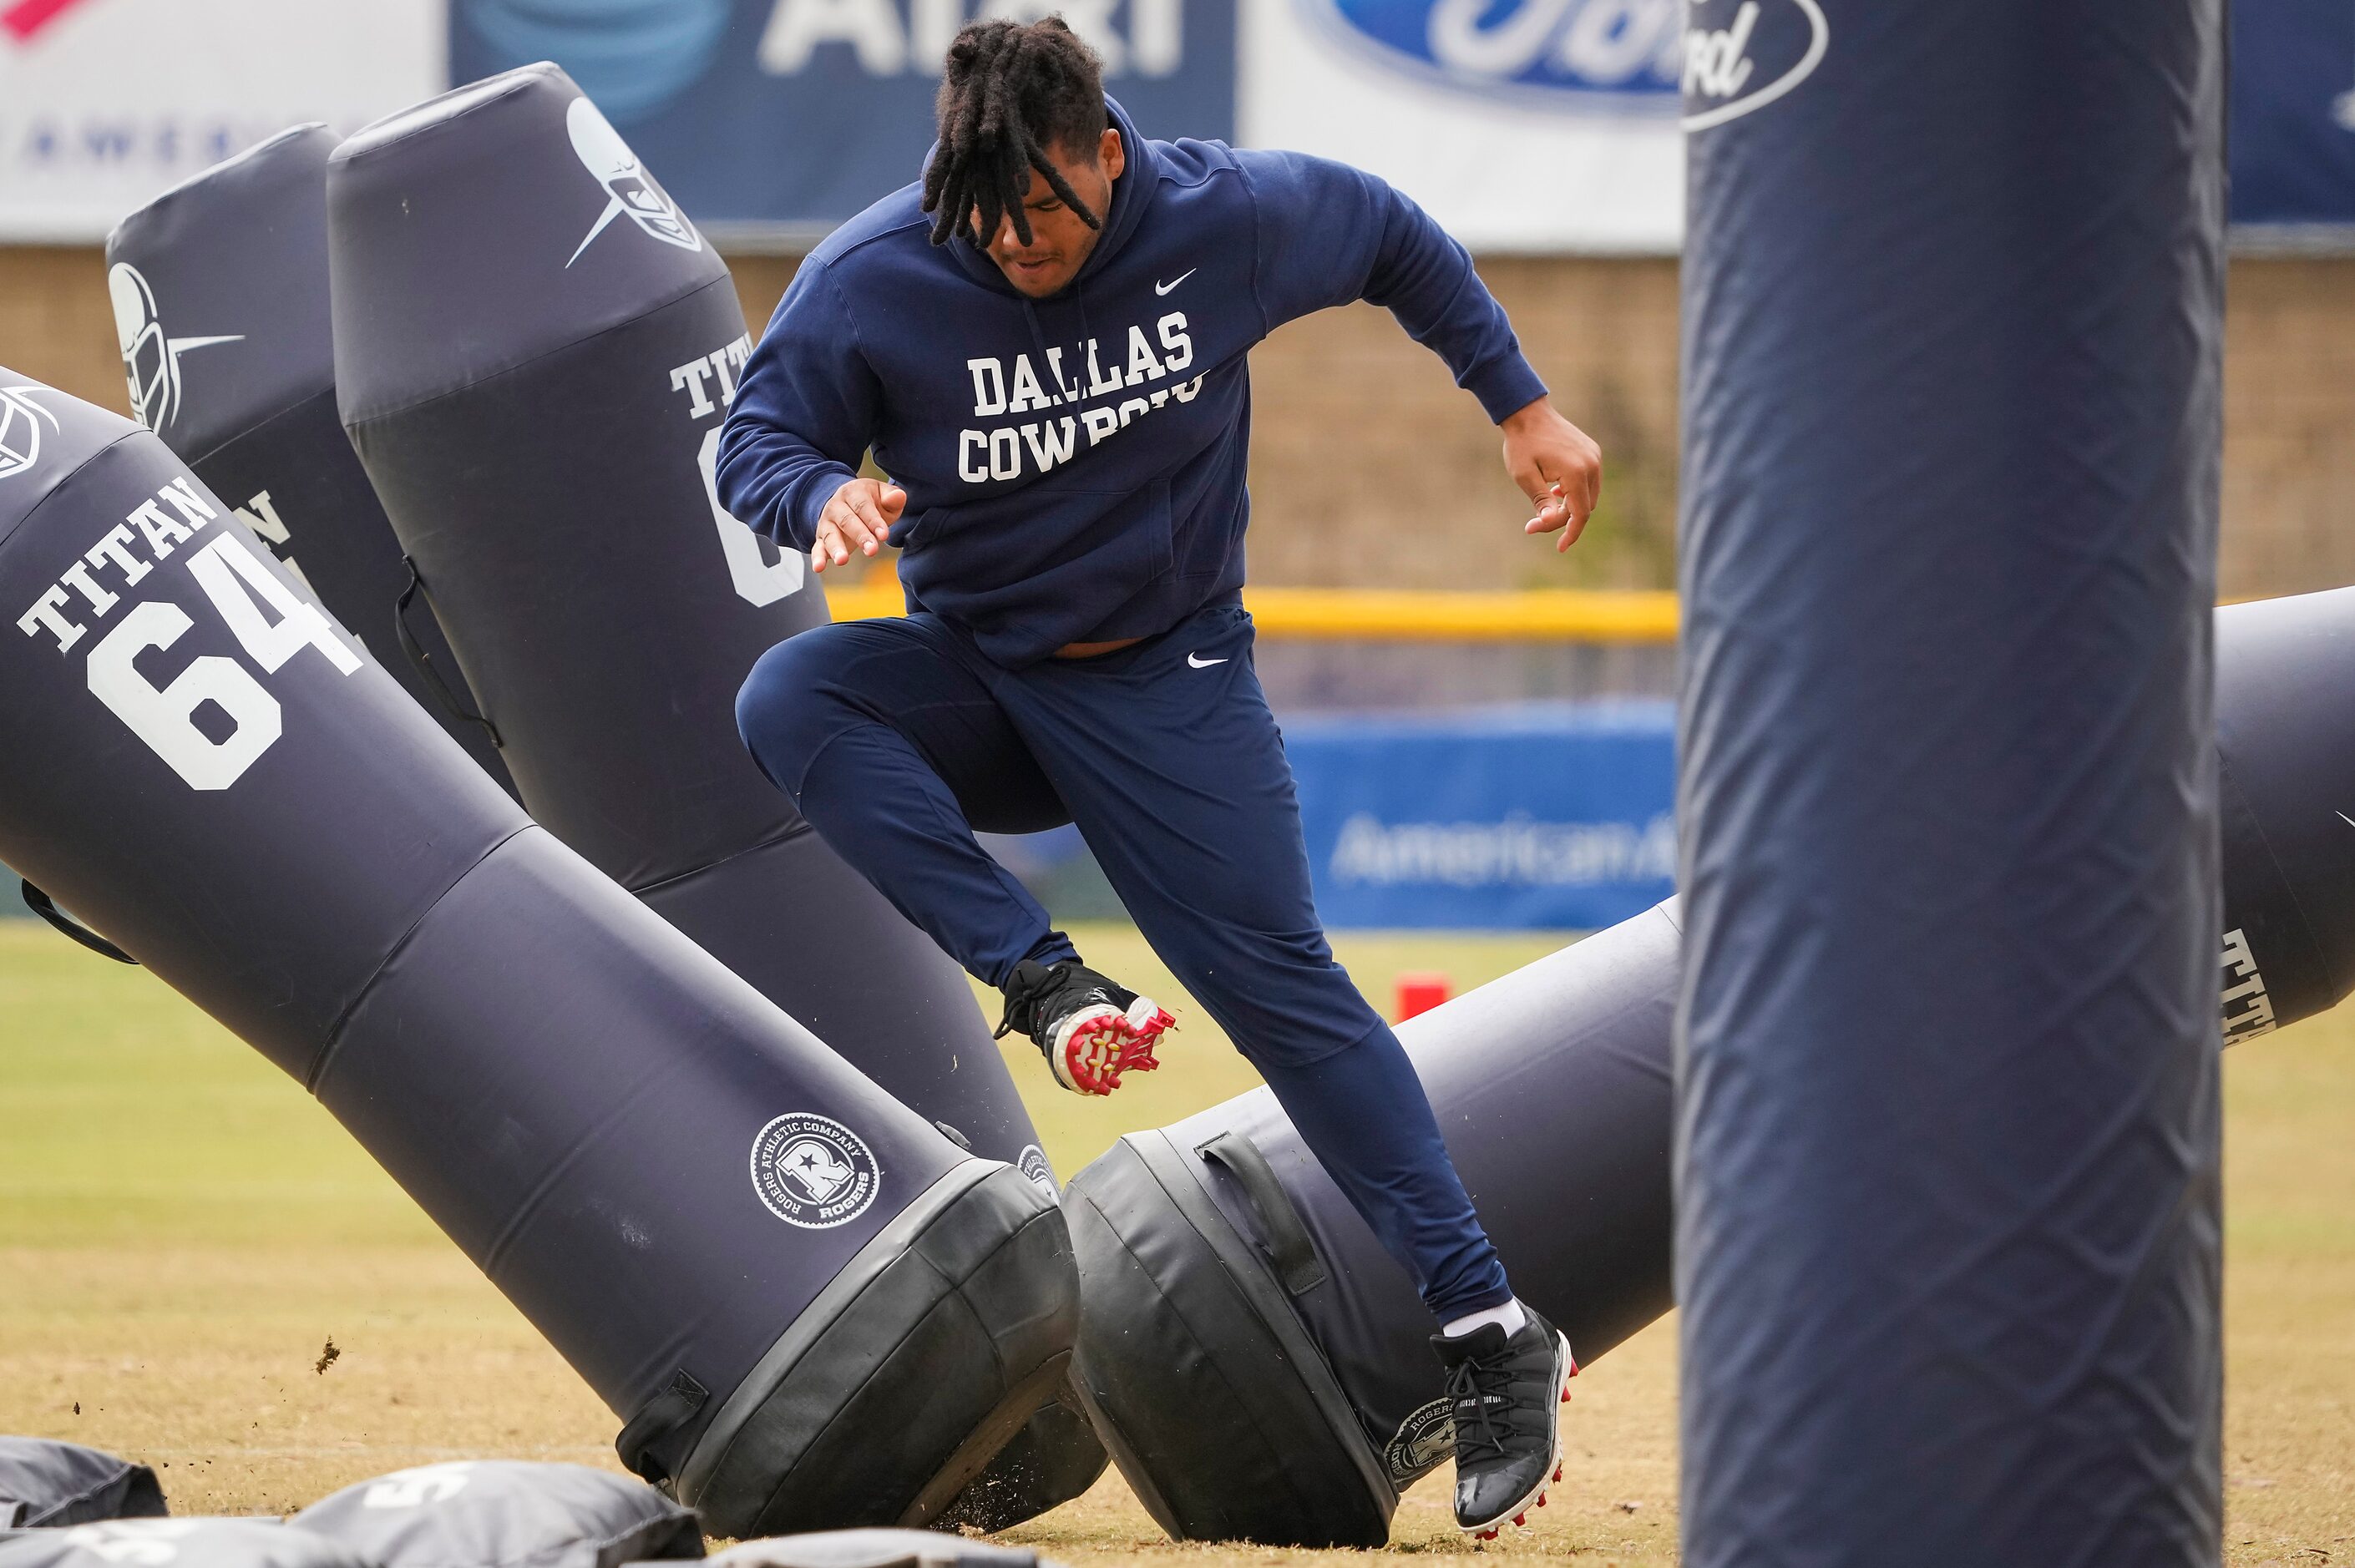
[
  {"x": 1743, "y": 55},
  {"x": 2293, "y": 140},
  {"x": 1542, "y": 814},
  {"x": 794, "y": 114},
  {"x": 1577, "y": 54}
]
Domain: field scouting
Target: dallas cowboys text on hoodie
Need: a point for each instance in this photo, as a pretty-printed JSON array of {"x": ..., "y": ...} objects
[{"x": 1075, "y": 465}]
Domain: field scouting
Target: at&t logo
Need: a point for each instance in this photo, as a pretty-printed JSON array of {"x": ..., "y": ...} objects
[{"x": 813, "y": 1171}]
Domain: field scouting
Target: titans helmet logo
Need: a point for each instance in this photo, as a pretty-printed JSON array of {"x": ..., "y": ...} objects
[
  {"x": 20, "y": 429},
  {"x": 631, "y": 192},
  {"x": 151, "y": 362}
]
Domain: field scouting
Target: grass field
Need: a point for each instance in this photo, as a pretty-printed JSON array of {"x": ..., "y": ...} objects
[{"x": 182, "y": 1232}]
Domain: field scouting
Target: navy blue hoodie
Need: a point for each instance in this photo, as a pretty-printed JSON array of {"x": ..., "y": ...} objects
[{"x": 1074, "y": 465}]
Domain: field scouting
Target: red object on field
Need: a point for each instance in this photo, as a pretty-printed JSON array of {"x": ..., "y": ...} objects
[
  {"x": 27, "y": 18},
  {"x": 1419, "y": 992}
]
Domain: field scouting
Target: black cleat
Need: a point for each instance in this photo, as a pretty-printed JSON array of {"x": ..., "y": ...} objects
[
  {"x": 1505, "y": 1395},
  {"x": 1090, "y": 1029}
]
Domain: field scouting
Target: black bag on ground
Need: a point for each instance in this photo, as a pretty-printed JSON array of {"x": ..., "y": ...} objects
[
  {"x": 175, "y": 1543},
  {"x": 235, "y": 261},
  {"x": 876, "y": 1549},
  {"x": 45, "y": 1483},
  {"x": 1257, "y": 1364},
  {"x": 534, "y": 349},
  {"x": 504, "y": 1513},
  {"x": 780, "y": 1275}
]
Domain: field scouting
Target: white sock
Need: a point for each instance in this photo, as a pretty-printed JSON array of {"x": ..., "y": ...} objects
[{"x": 1510, "y": 1318}]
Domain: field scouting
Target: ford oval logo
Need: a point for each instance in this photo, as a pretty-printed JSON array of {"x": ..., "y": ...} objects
[
  {"x": 1579, "y": 55},
  {"x": 1743, "y": 55}
]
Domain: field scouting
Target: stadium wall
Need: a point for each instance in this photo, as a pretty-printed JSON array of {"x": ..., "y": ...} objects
[{"x": 1369, "y": 469}]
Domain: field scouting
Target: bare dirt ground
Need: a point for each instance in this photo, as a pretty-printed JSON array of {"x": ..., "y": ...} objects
[{"x": 182, "y": 1232}]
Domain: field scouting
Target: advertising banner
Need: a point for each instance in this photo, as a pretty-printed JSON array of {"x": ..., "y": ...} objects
[
  {"x": 1554, "y": 815},
  {"x": 104, "y": 104},
  {"x": 1521, "y": 125},
  {"x": 1530, "y": 126},
  {"x": 782, "y": 118},
  {"x": 2293, "y": 137}
]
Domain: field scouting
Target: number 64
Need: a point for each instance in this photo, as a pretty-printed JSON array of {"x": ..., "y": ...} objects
[{"x": 232, "y": 576}]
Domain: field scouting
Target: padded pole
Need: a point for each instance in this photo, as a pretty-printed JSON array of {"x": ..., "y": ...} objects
[
  {"x": 780, "y": 1276},
  {"x": 1947, "y": 1147}
]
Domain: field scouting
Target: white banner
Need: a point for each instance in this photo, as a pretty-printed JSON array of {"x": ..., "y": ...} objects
[
  {"x": 1521, "y": 125},
  {"x": 106, "y": 103}
]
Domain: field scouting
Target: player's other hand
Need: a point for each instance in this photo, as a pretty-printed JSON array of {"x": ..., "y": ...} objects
[
  {"x": 857, "y": 517},
  {"x": 1558, "y": 467}
]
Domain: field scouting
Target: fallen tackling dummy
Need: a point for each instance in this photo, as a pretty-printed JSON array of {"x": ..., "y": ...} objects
[
  {"x": 534, "y": 349},
  {"x": 779, "y": 1275}
]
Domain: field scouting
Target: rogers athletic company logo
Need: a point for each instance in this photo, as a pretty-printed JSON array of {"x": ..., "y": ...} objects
[
  {"x": 813, "y": 1171},
  {"x": 1032, "y": 1162},
  {"x": 630, "y": 191},
  {"x": 1740, "y": 58},
  {"x": 20, "y": 429},
  {"x": 151, "y": 362},
  {"x": 1422, "y": 1441}
]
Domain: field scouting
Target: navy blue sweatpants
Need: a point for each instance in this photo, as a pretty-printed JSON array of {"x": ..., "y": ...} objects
[{"x": 898, "y": 739}]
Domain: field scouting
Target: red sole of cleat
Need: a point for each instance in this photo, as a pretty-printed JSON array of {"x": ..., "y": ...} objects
[{"x": 1097, "y": 1058}]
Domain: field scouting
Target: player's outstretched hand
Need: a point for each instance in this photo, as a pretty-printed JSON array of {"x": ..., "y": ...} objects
[
  {"x": 1558, "y": 467},
  {"x": 857, "y": 517}
]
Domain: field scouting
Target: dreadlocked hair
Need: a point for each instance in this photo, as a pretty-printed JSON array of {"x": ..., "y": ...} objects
[{"x": 1009, "y": 92}]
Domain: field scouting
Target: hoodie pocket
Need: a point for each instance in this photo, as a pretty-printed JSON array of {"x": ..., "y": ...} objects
[
  {"x": 1096, "y": 547},
  {"x": 920, "y": 528},
  {"x": 1157, "y": 529}
]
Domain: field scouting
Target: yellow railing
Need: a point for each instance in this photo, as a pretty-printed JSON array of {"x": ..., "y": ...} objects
[{"x": 1403, "y": 615}]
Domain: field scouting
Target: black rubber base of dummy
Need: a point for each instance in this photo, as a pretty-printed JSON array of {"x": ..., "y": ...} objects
[
  {"x": 1053, "y": 1459},
  {"x": 896, "y": 1387},
  {"x": 1214, "y": 1401}
]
